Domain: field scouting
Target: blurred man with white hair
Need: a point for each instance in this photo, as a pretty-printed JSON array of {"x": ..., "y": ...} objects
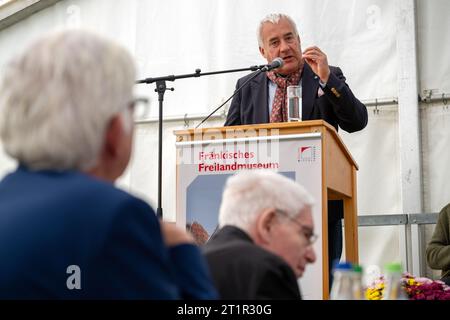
[
  {"x": 265, "y": 238},
  {"x": 65, "y": 231}
]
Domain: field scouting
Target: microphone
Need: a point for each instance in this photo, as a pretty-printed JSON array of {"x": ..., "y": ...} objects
[
  {"x": 275, "y": 64},
  {"x": 259, "y": 69}
]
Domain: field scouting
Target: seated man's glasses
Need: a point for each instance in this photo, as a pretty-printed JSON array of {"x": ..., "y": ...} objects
[
  {"x": 306, "y": 231},
  {"x": 139, "y": 108}
]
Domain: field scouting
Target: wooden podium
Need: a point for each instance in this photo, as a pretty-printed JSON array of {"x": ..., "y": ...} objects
[{"x": 338, "y": 174}]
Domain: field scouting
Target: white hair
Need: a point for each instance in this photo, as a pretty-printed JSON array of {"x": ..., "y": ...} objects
[
  {"x": 248, "y": 193},
  {"x": 273, "y": 18},
  {"x": 57, "y": 97}
]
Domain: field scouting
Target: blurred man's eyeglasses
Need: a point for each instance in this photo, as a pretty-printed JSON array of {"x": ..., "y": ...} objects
[
  {"x": 139, "y": 108},
  {"x": 307, "y": 232}
]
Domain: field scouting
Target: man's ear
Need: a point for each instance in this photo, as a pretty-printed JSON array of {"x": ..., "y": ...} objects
[
  {"x": 264, "y": 225},
  {"x": 263, "y": 52},
  {"x": 113, "y": 134}
]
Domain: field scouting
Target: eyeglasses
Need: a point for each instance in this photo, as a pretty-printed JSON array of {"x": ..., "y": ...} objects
[
  {"x": 307, "y": 232},
  {"x": 139, "y": 108}
]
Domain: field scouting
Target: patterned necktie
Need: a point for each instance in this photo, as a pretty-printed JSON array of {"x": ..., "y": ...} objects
[{"x": 279, "y": 109}]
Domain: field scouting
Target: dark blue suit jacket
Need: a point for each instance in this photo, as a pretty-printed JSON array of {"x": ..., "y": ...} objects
[
  {"x": 337, "y": 106},
  {"x": 52, "y": 220}
]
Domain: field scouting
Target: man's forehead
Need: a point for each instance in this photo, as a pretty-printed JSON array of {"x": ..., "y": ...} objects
[
  {"x": 276, "y": 36},
  {"x": 306, "y": 218},
  {"x": 281, "y": 24},
  {"x": 275, "y": 30}
]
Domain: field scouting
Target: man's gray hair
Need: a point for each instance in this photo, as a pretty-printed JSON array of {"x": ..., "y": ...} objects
[
  {"x": 274, "y": 18},
  {"x": 248, "y": 193},
  {"x": 58, "y": 96}
]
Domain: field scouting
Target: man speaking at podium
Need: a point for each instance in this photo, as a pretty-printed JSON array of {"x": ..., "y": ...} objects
[{"x": 325, "y": 95}]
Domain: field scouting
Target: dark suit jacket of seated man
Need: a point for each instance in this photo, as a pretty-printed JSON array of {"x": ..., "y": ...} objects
[
  {"x": 51, "y": 222},
  {"x": 244, "y": 271}
]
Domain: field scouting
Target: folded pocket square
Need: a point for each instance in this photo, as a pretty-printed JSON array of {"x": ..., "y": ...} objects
[{"x": 320, "y": 92}]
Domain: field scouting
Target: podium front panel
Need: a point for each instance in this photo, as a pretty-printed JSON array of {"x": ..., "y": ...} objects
[{"x": 203, "y": 167}]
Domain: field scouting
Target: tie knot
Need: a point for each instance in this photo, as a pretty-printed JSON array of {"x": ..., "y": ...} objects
[
  {"x": 284, "y": 82},
  {"x": 279, "y": 110}
]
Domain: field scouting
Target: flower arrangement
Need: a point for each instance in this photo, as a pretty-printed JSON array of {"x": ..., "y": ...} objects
[
  {"x": 425, "y": 289},
  {"x": 375, "y": 290},
  {"x": 416, "y": 288}
]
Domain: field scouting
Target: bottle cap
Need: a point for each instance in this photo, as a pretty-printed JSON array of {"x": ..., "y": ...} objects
[
  {"x": 343, "y": 266},
  {"x": 357, "y": 268},
  {"x": 393, "y": 267}
]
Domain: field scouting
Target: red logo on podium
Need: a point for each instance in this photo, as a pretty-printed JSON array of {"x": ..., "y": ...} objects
[{"x": 307, "y": 154}]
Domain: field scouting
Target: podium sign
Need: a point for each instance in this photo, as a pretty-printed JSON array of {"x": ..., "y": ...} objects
[{"x": 207, "y": 157}]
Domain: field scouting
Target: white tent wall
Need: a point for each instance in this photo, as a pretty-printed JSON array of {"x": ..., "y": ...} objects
[
  {"x": 434, "y": 68},
  {"x": 436, "y": 155},
  {"x": 176, "y": 37},
  {"x": 433, "y": 28}
]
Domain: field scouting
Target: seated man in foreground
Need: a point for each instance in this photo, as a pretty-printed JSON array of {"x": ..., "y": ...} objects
[
  {"x": 265, "y": 237},
  {"x": 66, "y": 232}
]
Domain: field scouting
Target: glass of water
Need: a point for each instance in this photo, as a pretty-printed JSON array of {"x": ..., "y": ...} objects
[{"x": 294, "y": 103}]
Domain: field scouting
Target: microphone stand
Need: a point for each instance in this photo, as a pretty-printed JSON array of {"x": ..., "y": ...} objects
[{"x": 161, "y": 89}]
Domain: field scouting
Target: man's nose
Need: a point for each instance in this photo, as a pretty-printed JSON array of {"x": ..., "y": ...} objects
[
  {"x": 310, "y": 254},
  {"x": 284, "y": 46}
]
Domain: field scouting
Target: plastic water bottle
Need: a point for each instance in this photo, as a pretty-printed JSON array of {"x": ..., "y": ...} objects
[
  {"x": 342, "y": 288},
  {"x": 358, "y": 288},
  {"x": 393, "y": 289}
]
